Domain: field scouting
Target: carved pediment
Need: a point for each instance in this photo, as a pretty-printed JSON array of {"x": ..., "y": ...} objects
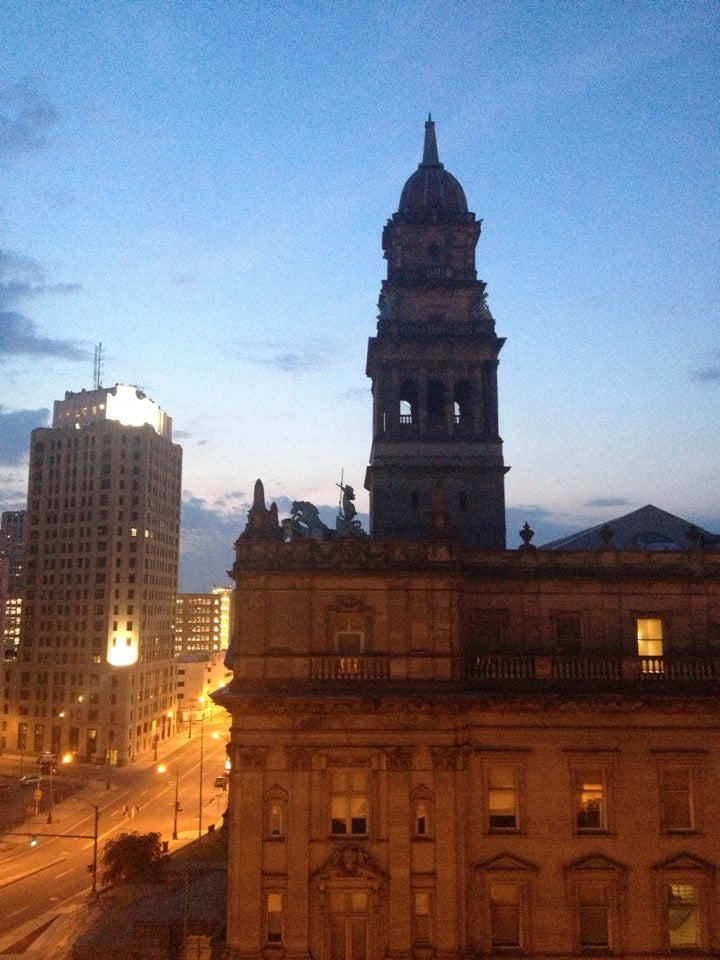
[
  {"x": 596, "y": 861},
  {"x": 506, "y": 861},
  {"x": 350, "y": 860},
  {"x": 685, "y": 862}
]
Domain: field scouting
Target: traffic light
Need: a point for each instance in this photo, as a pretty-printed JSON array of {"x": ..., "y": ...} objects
[{"x": 33, "y": 841}]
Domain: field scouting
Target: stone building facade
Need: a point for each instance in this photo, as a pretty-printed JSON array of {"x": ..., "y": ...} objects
[{"x": 441, "y": 748}]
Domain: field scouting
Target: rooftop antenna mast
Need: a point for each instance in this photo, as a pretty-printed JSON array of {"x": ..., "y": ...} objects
[{"x": 98, "y": 366}]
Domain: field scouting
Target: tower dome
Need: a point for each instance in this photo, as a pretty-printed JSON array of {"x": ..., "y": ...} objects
[{"x": 432, "y": 190}]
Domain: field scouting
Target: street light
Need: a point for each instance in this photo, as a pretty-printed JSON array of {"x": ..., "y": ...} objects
[
  {"x": 50, "y": 795},
  {"x": 96, "y": 808},
  {"x": 163, "y": 769},
  {"x": 201, "y": 701}
]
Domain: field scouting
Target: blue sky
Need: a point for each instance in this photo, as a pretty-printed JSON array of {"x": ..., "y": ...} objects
[{"x": 202, "y": 186}]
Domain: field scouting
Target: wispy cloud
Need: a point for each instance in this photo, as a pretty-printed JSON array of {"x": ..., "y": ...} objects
[
  {"x": 609, "y": 502},
  {"x": 25, "y": 118},
  {"x": 708, "y": 374},
  {"x": 15, "y": 429},
  {"x": 22, "y": 279},
  {"x": 314, "y": 355}
]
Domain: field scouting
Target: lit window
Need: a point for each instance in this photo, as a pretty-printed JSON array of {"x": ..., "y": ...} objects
[
  {"x": 590, "y": 800},
  {"x": 683, "y": 915},
  {"x": 502, "y": 798},
  {"x": 650, "y": 637},
  {"x": 274, "y": 928},
  {"x": 676, "y": 799},
  {"x": 348, "y": 803}
]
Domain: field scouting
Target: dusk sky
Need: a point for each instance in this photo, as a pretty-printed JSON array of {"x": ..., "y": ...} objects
[{"x": 202, "y": 186}]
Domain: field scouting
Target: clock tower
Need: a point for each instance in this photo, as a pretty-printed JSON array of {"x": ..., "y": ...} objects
[{"x": 436, "y": 463}]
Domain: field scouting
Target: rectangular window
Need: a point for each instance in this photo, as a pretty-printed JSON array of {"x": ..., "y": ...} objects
[
  {"x": 348, "y": 802},
  {"x": 676, "y": 799},
  {"x": 505, "y": 915},
  {"x": 348, "y": 921},
  {"x": 650, "y": 637},
  {"x": 421, "y": 819},
  {"x": 594, "y": 915},
  {"x": 274, "y": 928},
  {"x": 275, "y": 819},
  {"x": 590, "y": 800},
  {"x": 683, "y": 915},
  {"x": 568, "y": 633},
  {"x": 349, "y": 633},
  {"x": 421, "y": 916},
  {"x": 502, "y": 799}
]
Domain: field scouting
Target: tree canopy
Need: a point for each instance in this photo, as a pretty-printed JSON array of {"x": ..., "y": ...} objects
[{"x": 132, "y": 858}]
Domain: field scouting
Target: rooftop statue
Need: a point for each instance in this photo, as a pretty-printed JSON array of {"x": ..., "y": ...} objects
[
  {"x": 345, "y": 522},
  {"x": 304, "y": 522}
]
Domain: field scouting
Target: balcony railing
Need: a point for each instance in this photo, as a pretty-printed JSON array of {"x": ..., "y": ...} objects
[
  {"x": 531, "y": 671},
  {"x": 349, "y": 668},
  {"x": 592, "y": 669}
]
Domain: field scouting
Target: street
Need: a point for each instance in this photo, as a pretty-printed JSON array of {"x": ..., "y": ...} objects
[{"x": 41, "y": 874}]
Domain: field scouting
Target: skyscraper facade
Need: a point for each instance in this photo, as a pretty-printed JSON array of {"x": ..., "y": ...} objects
[
  {"x": 95, "y": 675},
  {"x": 12, "y": 541},
  {"x": 202, "y": 621}
]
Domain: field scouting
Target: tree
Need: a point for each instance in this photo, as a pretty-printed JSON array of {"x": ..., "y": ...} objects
[{"x": 132, "y": 858}]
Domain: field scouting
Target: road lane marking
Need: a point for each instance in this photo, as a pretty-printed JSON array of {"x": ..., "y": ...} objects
[{"x": 30, "y": 873}]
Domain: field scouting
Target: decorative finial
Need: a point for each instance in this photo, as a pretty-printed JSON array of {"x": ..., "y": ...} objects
[
  {"x": 526, "y": 535},
  {"x": 262, "y": 524},
  {"x": 430, "y": 150}
]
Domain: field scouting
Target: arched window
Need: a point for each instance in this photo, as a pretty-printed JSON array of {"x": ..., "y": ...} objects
[
  {"x": 275, "y": 813},
  {"x": 422, "y": 806},
  {"x": 408, "y": 402},
  {"x": 461, "y": 409}
]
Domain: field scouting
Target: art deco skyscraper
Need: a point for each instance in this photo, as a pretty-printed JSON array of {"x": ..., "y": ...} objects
[{"x": 95, "y": 672}]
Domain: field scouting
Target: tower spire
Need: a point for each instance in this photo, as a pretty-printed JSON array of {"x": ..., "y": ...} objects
[{"x": 430, "y": 150}]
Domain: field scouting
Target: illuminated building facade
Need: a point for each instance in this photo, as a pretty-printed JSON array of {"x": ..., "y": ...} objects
[
  {"x": 12, "y": 540},
  {"x": 442, "y": 748},
  {"x": 202, "y": 621},
  {"x": 95, "y": 674}
]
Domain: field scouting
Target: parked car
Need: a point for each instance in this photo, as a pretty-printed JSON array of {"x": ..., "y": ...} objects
[
  {"x": 221, "y": 781},
  {"x": 31, "y": 781}
]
